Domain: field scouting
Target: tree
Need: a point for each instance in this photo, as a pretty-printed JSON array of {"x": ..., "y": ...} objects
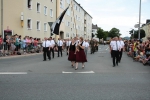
[
  {"x": 100, "y": 33},
  {"x": 106, "y": 34},
  {"x": 114, "y": 32},
  {"x": 136, "y": 33}
]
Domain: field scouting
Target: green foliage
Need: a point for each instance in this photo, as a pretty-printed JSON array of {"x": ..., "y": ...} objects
[
  {"x": 114, "y": 32},
  {"x": 142, "y": 34},
  {"x": 104, "y": 34}
]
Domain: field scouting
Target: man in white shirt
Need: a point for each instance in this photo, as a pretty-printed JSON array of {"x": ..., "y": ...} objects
[
  {"x": 68, "y": 42},
  {"x": 60, "y": 44},
  {"x": 122, "y": 48},
  {"x": 52, "y": 46},
  {"x": 86, "y": 47},
  {"x": 110, "y": 46},
  {"x": 46, "y": 47},
  {"x": 115, "y": 48}
]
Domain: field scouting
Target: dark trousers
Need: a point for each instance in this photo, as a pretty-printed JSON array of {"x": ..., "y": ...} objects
[
  {"x": 46, "y": 51},
  {"x": 92, "y": 49},
  {"x": 52, "y": 51},
  {"x": 120, "y": 54},
  {"x": 67, "y": 49},
  {"x": 59, "y": 50},
  {"x": 115, "y": 55}
]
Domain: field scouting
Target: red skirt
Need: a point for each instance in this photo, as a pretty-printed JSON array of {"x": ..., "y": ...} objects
[
  {"x": 80, "y": 56},
  {"x": 72, "y": 56}
]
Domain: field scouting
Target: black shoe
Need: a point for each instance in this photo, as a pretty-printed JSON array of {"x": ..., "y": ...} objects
[
  {"x": 113, "y": 65},
  {"x": 57, "y": 56},
  {"x": 44, "y": 60},
  {"x": 117, "y": 64},
  {"x": 49, "y": 58}
]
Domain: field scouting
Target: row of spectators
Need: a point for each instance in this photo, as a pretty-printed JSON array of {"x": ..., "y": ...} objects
[
  {"x": 139, "y": 50},
  {"x": 12, "y": 45}
]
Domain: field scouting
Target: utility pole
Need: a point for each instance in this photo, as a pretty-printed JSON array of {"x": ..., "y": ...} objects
[{"x": 139, "y": 19}]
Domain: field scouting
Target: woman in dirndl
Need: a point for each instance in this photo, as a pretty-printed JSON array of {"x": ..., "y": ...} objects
[
  {"x": 71, "y": 52},
  {"x": 80, "y": 54}
]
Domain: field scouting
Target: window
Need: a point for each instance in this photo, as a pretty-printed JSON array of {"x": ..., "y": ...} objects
[
  {"x": 61, "y": 4},
  {"x": 29, "y": 4},
  {"x": 38, "y": 25},
  {"x": 51, "y": 12},
  {"x": 68, "y": 23},
  {"x": 29, "y": 24},
  {"x": 76, "y": 7},
  {"x": 67, "y": 34},
  {"x": 68, "y": 1},
  {"x": 45, "y": 10},
  {"x": 68, "y": 12},
  {"x": 45, "y": 26},
  {"x": 38, "y": 7}
]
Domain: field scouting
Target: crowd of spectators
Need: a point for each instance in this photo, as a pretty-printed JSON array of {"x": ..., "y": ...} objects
[
  {"x": 138, "y": 50},
  {"x": 14, "y": 45}
]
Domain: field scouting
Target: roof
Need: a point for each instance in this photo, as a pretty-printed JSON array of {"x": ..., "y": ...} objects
[
  {"x": 94, "y": 26},
  {"x": 82, "y": 8}
]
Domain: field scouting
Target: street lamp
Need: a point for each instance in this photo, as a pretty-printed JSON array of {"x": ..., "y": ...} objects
[{"x": 139, "y": 18}]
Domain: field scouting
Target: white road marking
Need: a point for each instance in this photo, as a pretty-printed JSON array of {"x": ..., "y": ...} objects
[
  {"x": 86, "y": 72},
  {"x": 13, "y": 73},
  {"x": 107, "y": 48}
]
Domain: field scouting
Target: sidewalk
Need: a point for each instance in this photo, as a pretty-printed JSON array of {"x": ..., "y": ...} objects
[{"x": 22, "y": 55}]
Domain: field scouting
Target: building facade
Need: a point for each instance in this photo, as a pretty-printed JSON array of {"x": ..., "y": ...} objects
[
  {"x": 75, "y": 22},
  {"x": 31, "y": 17},
  {"x": 146, "y": 28},
  {"x": 94, "y": 30},
  {"x": 28, "y": 17}
]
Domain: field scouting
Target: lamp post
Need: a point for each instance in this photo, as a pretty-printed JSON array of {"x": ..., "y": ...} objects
[{"x": 139, "y": 18}]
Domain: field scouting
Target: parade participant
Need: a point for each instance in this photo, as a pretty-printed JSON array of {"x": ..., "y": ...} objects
[
  {"x": 115, "y": 48},
  {"x": 67, "y": 45},
  {"x": 110, "y": 46},
  {"x": 96, "y": 45},
  {"x": 71, "y": 52},
  {"x": 122, "y": 48},
  {"x": 86, "y": 47},
  {"x": 60, "y": 44},
  {"x": 46, "y": 47},
  {"x": 80, "y": 54},
  {"x": 52, "y": 46},
  {"x": 92, "y": 46}
]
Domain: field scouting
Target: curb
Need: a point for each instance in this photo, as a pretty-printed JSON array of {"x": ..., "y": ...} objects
[{"x": 17, "y": 56}]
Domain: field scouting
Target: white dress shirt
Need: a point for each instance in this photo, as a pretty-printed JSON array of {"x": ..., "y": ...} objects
[
  {"x": 52, "y": 43},
  {"x": 122, "y": 44},
  {"x": 115, "y": 45},
  {"x": 59, "y": 43},
  {"x": 46, "y": 44},
  {"x": 86, "y": 44},
  {"x": 68, "y": 43}
]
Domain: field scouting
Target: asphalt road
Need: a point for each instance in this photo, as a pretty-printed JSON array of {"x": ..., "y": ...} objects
[{"x": 29, "y": 78}]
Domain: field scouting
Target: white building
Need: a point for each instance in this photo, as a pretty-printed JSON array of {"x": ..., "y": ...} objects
[{"x": 76, "y": 20}]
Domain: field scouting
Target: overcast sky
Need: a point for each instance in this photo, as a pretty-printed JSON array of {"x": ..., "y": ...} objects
[{"x": 122, "y": 14}]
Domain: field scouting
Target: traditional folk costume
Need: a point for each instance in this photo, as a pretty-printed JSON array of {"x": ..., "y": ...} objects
[
  {"x": 72, "y": 55},
  {"x": 80, "y": 55}
]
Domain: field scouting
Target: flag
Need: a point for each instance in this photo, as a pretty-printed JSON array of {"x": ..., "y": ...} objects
[{"x": 55, "y": 25}]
